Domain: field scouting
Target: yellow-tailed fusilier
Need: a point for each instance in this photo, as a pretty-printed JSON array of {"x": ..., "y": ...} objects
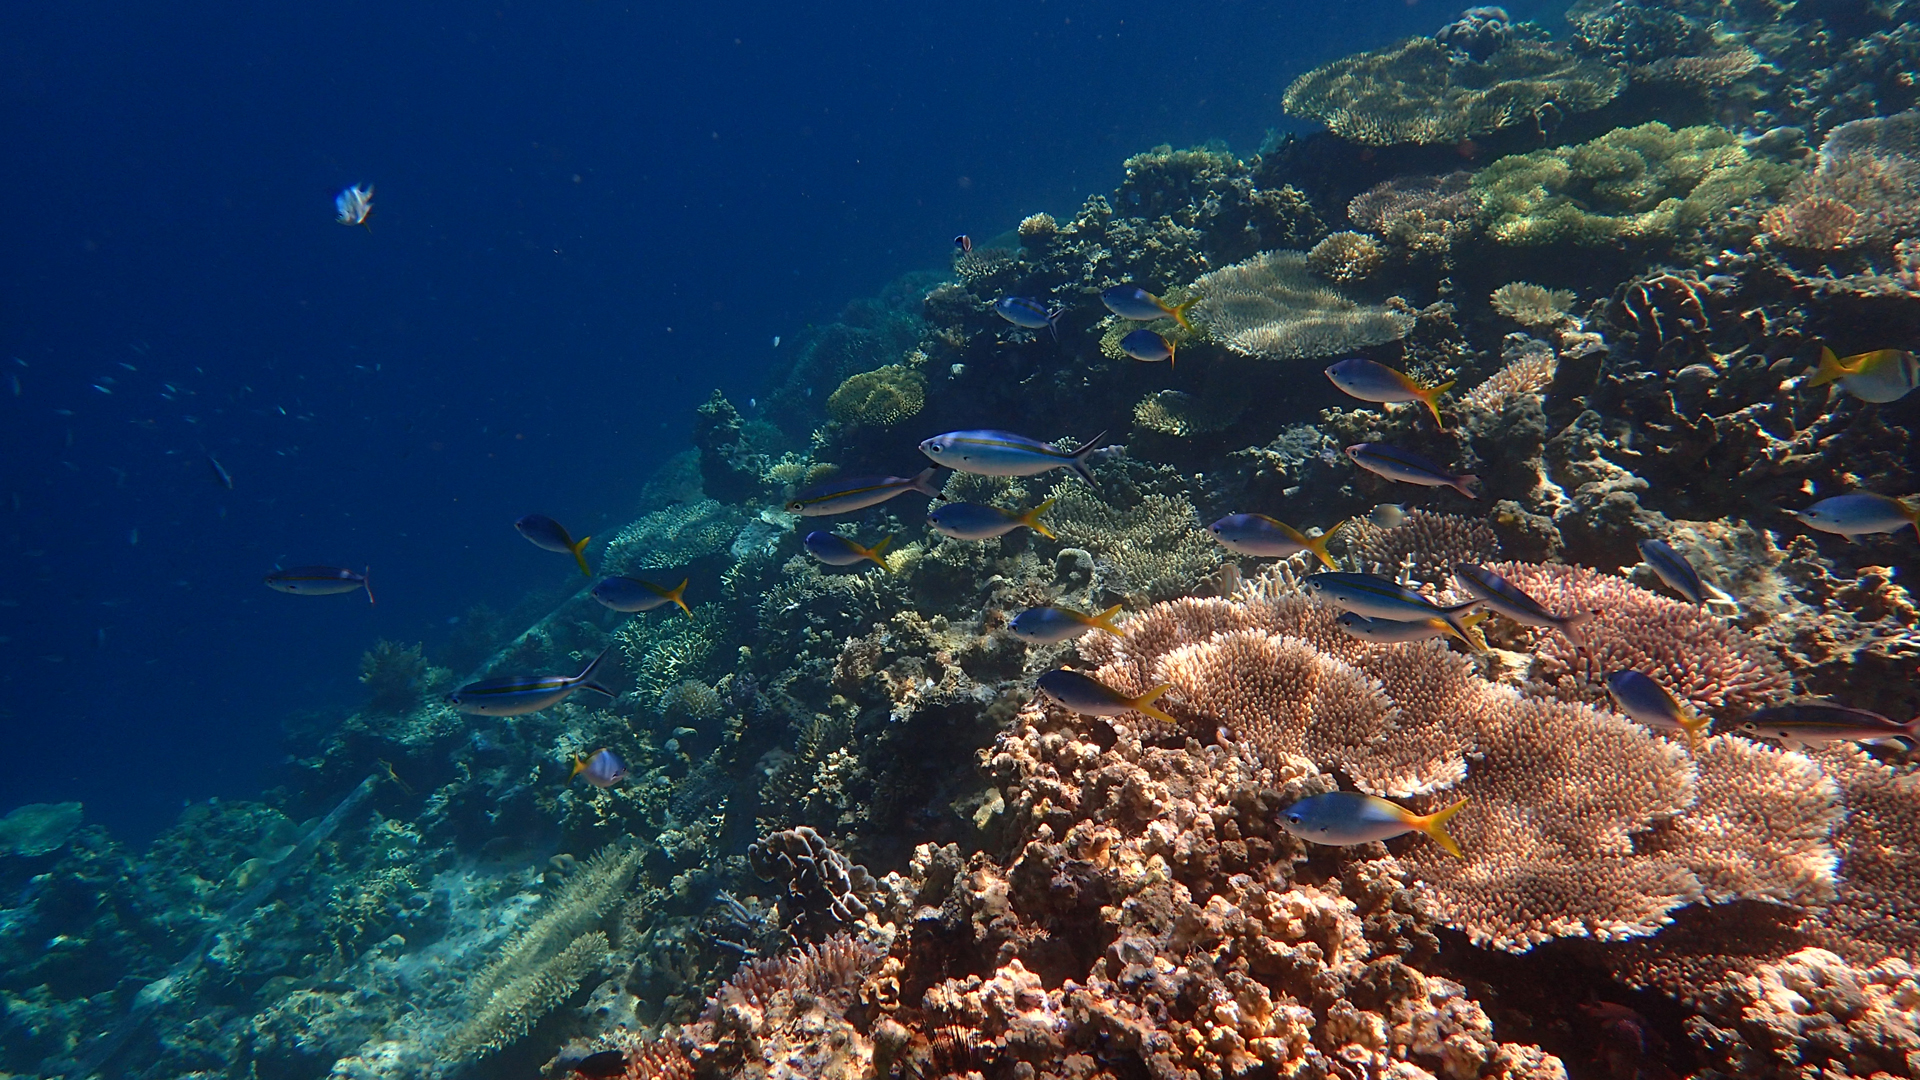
[
  {"x": 1879, "y": 376},
  {"x": 1859, "y": 514},
  {"x": 985, "y": 452},
  {"x": 1091, "y": 697},
  {"x": 978, "y": 521},
  {"x": 836, "y": 550},
  {"x": 1368, "y": 381},
  {"x": 1408, "y": 467},
  {"x": 1258, "y": 534},
  {"x": 1340, "y": 818},
  {"x": 1674, "y": 569},
  {"x": 844, "y": 494},
  {"x": 549, "y": 535},
  {"x": 1388, "y": 632},
  {"x": 1506, "y": 598},
  {"x": 1377, "y": 598},
  {"x": 633, "y": 594},
  {"x": 1649, "y": 703},
  {"x": 1053, "y": 625}
]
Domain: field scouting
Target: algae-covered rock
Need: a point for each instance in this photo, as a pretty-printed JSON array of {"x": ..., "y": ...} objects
[
  {"x": 1646, "y": 183},
  {"x": 37, "y": 828}
]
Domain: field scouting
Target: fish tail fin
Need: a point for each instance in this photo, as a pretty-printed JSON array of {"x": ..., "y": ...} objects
[
  {"x": 878, "y": 553},
  {"x": 1145, "y": 703},
  {"x": 1830, "y": 368},
  {"x": 366, "y": 582},
  {"x": 579, "y": 546},
  {"x": 590, "y": 678},
  {"x": 923, "y": 483},
  {"x": 1475, "y": 638},
  {"x": 1696, "y": 728},
  {"x": 677, "y": 594},
  {"x": 1318, "y": 545},
  {"x": 1079, "y": 460},
  {"x": 1912, "y": 510},
  {"x": 1465, "y": 485},
  {"x": 1179, "y": 312},
  {"x": 579, "y": 766},
  {"x": 1104, "y": 621},
  {"x": 1430, "y": 397},
  {"x": 1435, "y": 826},
  {"x": 1172, "y": 348},
  {"x": 1031, "y": 519}
]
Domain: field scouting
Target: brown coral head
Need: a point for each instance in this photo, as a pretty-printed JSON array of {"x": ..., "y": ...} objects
[
  {"x": 1665, "y": 307},
  {"x": 1814, "y": 223}
]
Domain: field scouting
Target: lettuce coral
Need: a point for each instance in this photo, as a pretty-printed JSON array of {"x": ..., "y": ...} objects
[{"x": 1644, "y": 183}]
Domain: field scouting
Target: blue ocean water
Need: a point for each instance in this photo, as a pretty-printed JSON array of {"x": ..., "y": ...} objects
[{"x": 587, "y": 216}]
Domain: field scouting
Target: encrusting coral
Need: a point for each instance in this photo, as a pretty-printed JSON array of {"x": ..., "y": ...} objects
[{"x": 1272, "y": 307}]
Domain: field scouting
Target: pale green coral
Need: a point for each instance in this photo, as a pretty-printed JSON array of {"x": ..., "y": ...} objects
[
  {"x": 662, "y": 653},
  {"x": 1155, "y": 549},
  {"x": 879, "y": 398},
  {"x": 1273, "y": 307},
  {"x": 1632, "y": 184}
]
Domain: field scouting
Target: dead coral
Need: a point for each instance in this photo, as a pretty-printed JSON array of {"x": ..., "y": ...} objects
[{"x": 1272, "y": 307}]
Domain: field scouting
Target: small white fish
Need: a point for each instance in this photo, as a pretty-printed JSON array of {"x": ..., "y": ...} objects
[
  {"x": 354, "y": 205},
  {"x": 776, "y": 341}
]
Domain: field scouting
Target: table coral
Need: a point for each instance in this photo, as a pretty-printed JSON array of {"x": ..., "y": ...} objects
[{"x": 1272, "y": 307}]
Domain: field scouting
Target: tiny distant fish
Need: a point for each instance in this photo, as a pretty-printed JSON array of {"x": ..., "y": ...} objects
[
  {"x": 1090, "y": 697},
  {"x": 1052, "y": 625},
  {"x": 320, "y": 581},
  {"x": 1368, "y": 381},
  {"x": 1508, "y": 599},
  {"x": 1340, "y": 818},
  {"x": 1136, "y": 303},
  {"x": 1409, "y": 468},
  {"x": 1388, "y": 632},
  {"x": 1859, "y": 514},
  {"x": 1258, "y": 534},
  {"x": 1149, "y": 347},
  {"x": 1880, "y": 376},
  {"x": 1002, "y": 453},
  {"x": 103, "y": 389},
  {"x": 1377, "y": 598},
  {"x": 844, "y": 494},
  {"x": 15, "y": 380},
  {"x": 1647, "y": 702},
  {"x": 549, "y": 535},
  {"x": 1809, "y": 725},
  {"x": 1388, "y": 515},
  {"x": 1030, "y": 313},
  {"x": 633, "y": 594},
  {"x": 776, "y": 344},
  {"x": 1674, "y": 569},
  {"x": 603, "y": 770},
  {"x": 220, "y": 473},
  {"x": 976, "y": 521},
  {"x": 964, "y": 243},
  {"x": 354, "y": 205},
  {"x": 836, "y": 550},
  {"x": 517, "y": 695}
]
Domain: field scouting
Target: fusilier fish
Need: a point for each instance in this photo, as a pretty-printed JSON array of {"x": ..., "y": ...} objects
[
  {"x": 1052, "y": 625},
  {"x": 836, "y": 550},
  {"x": 1134, "y": 302},
  {"x": 1409, "y": 468},
  {"x": 549, "y": 535},
  {"x": 518, "y": 695},
  {"x": 1147, "y": 346},
  {"x": 1002, "y": 453},
  {"x": 1674, "y": 569},
  {"x": 1809, "y": 725},
  {"x": 320, "y": 581},
  {"x": 1258, "y": 534},
  {"x": 1340, "y": 818},
  {"x": 603, "y": 770},
  {"x": 220, "y": 473},
  {"x": 1377, "y": 598},
  {"x": 1647, "y": 702},
  {"x": 1859, "y": 514},
  {"x": 354, "y": 206},
  {"x": 1368, "y": 381},
  {"x": 977, "y": 521},
  {"x": 633, "y": 594},
  {"x": 1506, "y": 598},
  {"x": 1030, "y": 313},
  {"x": 1090, "y": 697},
  {"x": 1880, "y": 376},
  {"x": 845, "y": 494},
  {"x": 1387, "y": 632}
]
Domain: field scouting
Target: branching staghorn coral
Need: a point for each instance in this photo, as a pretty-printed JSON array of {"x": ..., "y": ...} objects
[
  {"x": 1424, "y": 215},
  {"x": 1345, "y": 257},
  {"x": 1865, "y": 189},
  {"x": 544, "y": 963},
  {"x": 1529, "y": 369},
  {"x": 1272, "y": 307}
]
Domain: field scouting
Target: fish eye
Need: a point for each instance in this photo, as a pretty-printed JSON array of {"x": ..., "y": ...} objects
[{"x": 1294, "y": 818}]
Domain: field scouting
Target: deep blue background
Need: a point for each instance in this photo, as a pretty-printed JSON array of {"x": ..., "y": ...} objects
[{"x": 587, "y": 215}]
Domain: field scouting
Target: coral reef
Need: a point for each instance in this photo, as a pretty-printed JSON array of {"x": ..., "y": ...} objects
[
  {"x": 1271, "y": 307},
  {"x": 1531, "y": 305},
  {"x": 882, "y": 397}
]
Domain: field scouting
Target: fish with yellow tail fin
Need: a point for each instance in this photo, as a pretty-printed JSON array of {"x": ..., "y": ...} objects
[
  {"x": 1879, "y": 376},
  {"x": 633, "y": 594},
  {"x": 1859, "y": 514},
  {"x": 1053, "y": 625},
  {"x": 1389, "y": 632},
  {"x": 1136, "y": 303},
  {"x": 1647, "y": 702},
  {"x": 603, "y": 770},
  {"x": 1368, "y": 381},
  {"x": 1340, "y": 818},
  {"x": 1258, "y": 534},
  {"x": 1090, "y": 697},
  {"x": 549, "y": 535},
  {"x": 978, "y": 521},
  {"x": 836, "y": 550}
]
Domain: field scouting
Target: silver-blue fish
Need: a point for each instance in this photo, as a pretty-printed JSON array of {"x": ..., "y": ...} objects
[
  {"x": 1377, "y": 598},
  {"x": 845, "y": 494},
  {"x": 986, "y": 452},
  {"x": 1647, "y": 702},
  {"x": 1408, "y": 467},
  {"x": 1136, "y": 303},
  {"x": 1809, "y": 725},
  {"x": 1089, "y": 696},
  {"x": 1340, "y": 818},
  {"x": 1674, "y": 569},
  {"x": 517, "y": 695},
  {"x": 1052, "y": 625},
  {"x": 603, "y": 770},
  {"x": 978, "y": 521},
  {"x": 836, "y": 550},
  {"x": 1388, "y": 632},
  {"x": 1260, "y": 535},
  {"x": 1860, "y": 514},
  {"x": 632, "y": 594},
  {"x": 320, "y": 581},
  {"x": 1029, "y": 313},
  {"x": 1508, "y": 599}
]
